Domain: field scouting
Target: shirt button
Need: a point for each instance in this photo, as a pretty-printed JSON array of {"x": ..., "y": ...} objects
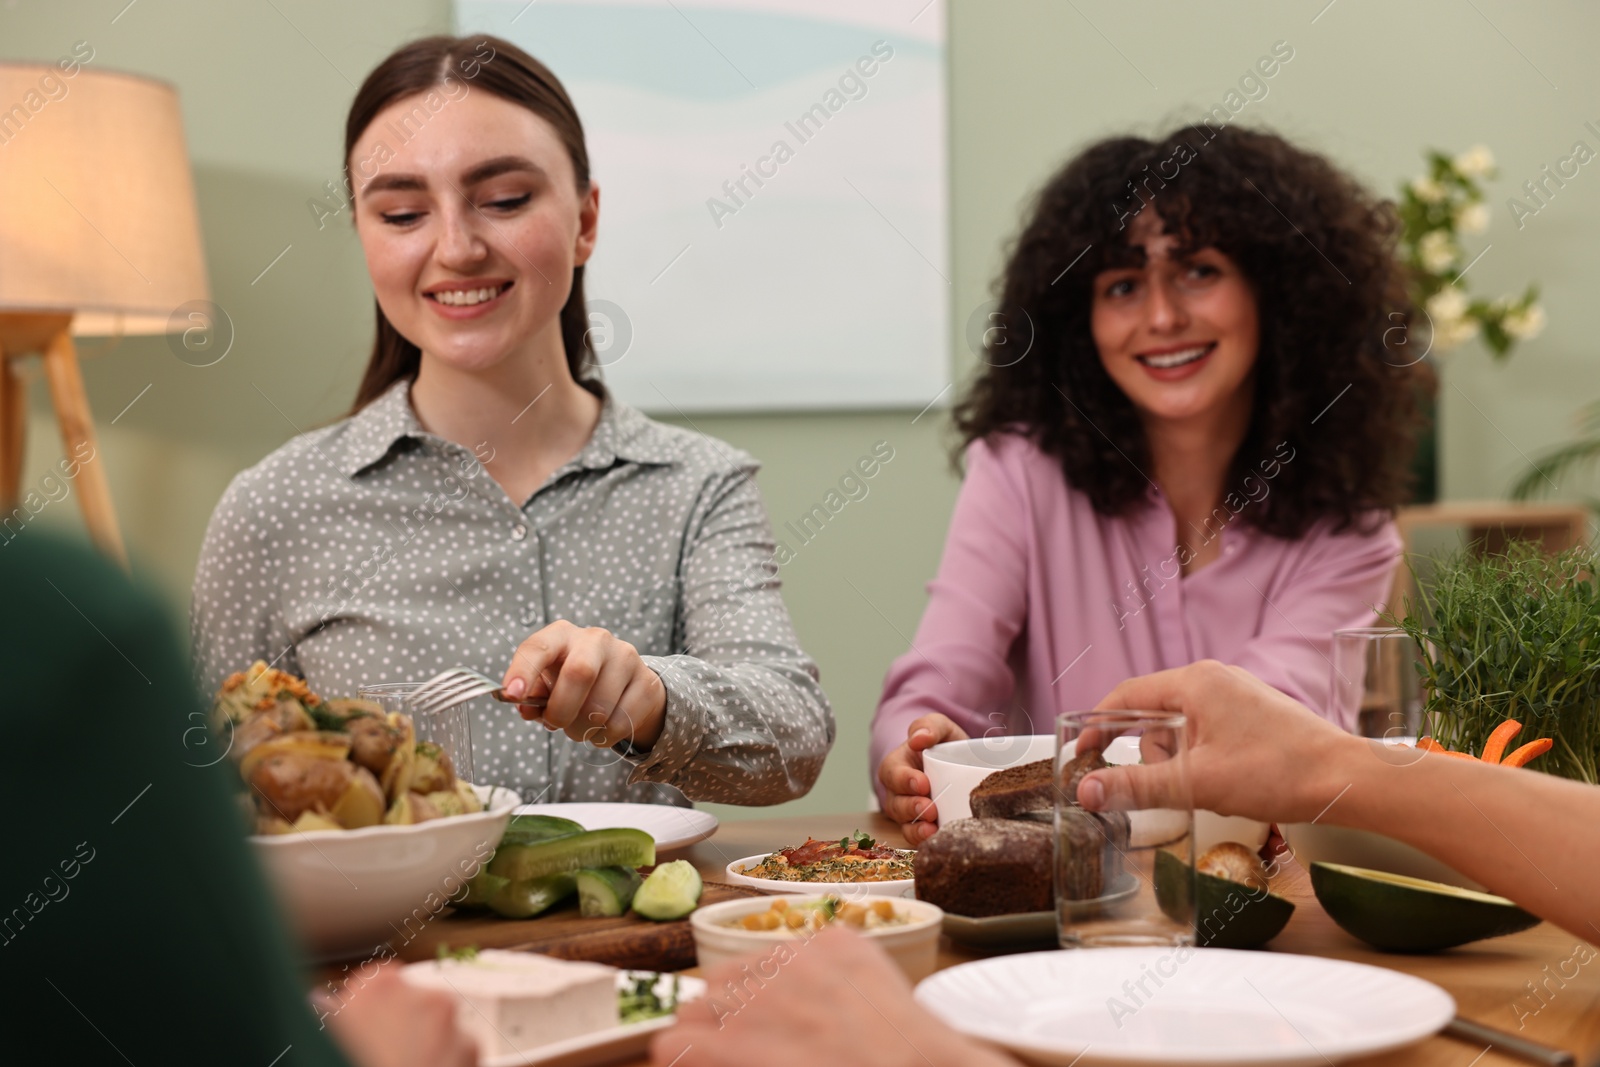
[{"x": 518, "y": 532}]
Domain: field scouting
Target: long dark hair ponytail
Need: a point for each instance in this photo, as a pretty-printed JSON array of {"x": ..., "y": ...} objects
[{"x": 499, "y": 67}]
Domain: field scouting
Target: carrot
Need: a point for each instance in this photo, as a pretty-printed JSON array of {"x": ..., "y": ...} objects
[
  {"x": 1428, "y": 744},
  {"x": 1458, "y": 755},
  {"x": 1495, "y": 747},
  {"x": 1527, "y": 752}
]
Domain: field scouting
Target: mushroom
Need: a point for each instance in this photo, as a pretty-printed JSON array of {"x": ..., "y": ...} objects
[{"x": 1236, "y": 863}]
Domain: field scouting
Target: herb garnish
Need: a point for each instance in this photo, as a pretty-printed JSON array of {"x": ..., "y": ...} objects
[
  {"x": 860, "y": 839},
  {"x": 640, "y": 1001}
]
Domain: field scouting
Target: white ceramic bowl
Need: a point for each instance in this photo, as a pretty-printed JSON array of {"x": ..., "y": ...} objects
[
  {"x": 915, "y": 946},
  {"x": 899, "y": 887},
  {"x": 349, "y": 890},
  {"x": 1320, "y": 843},
  {"x": 955, "y": 768}
]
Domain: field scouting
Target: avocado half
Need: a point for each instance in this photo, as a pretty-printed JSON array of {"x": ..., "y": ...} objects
[
  {"x": 1400, "y": 914},
  {"x": 1226, "y": 914}
]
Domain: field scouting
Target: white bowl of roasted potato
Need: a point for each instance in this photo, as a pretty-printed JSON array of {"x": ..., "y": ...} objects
[
  {"x": 365, "y": 832},
  {"x": 350, "y": 890}
]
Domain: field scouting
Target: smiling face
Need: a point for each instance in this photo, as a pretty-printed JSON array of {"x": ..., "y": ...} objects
[
  {"x": 1179, "y": 334},
  {"x": 471, "y": 228}
]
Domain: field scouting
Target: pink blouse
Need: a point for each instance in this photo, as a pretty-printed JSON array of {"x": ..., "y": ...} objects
[{"x": 1042, "y": 605}]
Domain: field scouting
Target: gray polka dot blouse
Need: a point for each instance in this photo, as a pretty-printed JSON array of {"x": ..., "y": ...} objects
[{"x": 372, "y": 551}]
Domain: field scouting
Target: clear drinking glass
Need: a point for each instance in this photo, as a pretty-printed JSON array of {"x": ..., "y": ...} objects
[
  {"x": 450, "y": 729},
  {"x": 1124, "y": 877},
  {"x": 1376, "y": 689}
]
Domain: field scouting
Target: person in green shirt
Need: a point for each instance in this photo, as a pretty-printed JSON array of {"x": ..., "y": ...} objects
[{"x": 135, "y": 926}]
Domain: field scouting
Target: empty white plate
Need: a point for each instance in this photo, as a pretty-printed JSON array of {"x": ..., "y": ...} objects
[
  {"x": 1186, "y": 1006},
  {"x": 672, "y": 827}
]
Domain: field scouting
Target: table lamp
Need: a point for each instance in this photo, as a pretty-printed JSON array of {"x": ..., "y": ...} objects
[{"x": 98, "y": 236}]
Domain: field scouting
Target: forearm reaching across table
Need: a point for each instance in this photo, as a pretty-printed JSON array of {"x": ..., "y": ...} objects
[{"x": 1257, "y": 753}]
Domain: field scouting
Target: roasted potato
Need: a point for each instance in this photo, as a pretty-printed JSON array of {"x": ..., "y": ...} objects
[
  {"x": 293, "y": 783},
  {"x": 314, "y": 764},
  {"x": 362, "y": 802},
  {"x": 411, "y": 808},
  {"x": 433, "y": 771},
  {"x": 319, "y": 744},
  {"x": 339, "y": 713},
  {"x": 459, "y": 799},
  {"x": 373, "y": 742},
  {"x": 446, "y": 802},
  {"x": 264, "y": 689},
  {"x": 315, "y": 820},
  {"x": 257, "y": 725},
  {"x": 397, "y": 775},
  {"x": 250, "y": 733}
]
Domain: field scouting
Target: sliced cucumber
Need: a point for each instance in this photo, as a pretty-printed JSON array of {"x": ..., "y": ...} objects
[
  {"x": 525, "y": 899},
  {"x": 615, "y": 847},
  {"x": 606, "y": 891},
  {"x": 481, "y": 890},
  {"x": 671, "y": 892},
  {"x": 531, "y": 829}
]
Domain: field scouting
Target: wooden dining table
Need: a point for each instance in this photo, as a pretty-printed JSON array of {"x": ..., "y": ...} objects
[{"x": 1493, "y": 981}]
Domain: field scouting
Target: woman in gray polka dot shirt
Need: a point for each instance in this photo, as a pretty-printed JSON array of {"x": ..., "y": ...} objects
[{"x": 487, "y": 488}]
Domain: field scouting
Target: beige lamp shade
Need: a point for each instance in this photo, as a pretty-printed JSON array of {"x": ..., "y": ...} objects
[{"x": 97, "y": 209}]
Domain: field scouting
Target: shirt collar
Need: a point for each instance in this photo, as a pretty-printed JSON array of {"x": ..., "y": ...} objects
[
  {"x": 623, "y": 433},
  {"x": 372, "y": 431}
]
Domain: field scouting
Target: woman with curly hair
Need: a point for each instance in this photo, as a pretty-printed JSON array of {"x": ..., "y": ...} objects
[{"x": 1187, "y": 442}]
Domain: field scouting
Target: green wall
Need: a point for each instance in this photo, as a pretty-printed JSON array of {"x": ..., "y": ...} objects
[{"x": 265, "y": 87}]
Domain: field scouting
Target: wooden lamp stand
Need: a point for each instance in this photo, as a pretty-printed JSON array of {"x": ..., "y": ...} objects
[{"x": 50, "y": 334}]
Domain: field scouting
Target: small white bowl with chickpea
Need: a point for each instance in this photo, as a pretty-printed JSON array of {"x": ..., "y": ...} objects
[{"x": 907, "y": 929}]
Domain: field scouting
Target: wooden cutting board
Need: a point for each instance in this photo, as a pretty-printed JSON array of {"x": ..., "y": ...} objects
[{"x": 626, "y": 941}]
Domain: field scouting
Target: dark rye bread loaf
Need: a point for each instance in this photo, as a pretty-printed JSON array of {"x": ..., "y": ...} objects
[
  {"x": 982, "y": 867},
  {"x": 1013, "y": 791},
  {"x": 1096, "y": 844},
  {"x": 1076, "y": 770},
  {"x": 979, "y": 867},
  {"x": 1029, "y": 787}
]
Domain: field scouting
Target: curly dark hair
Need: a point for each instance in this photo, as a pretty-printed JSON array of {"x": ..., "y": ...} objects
[{"x": 1332, "y": 376}]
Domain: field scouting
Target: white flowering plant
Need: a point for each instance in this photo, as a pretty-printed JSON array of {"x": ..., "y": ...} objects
[{"x": 1437, "y": 208}]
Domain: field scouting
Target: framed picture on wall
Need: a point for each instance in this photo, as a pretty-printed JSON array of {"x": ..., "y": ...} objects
[{"x": 773, "y": 195}]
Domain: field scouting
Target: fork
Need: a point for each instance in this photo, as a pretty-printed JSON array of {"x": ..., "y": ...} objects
[{"x": 457, "y": 686}]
